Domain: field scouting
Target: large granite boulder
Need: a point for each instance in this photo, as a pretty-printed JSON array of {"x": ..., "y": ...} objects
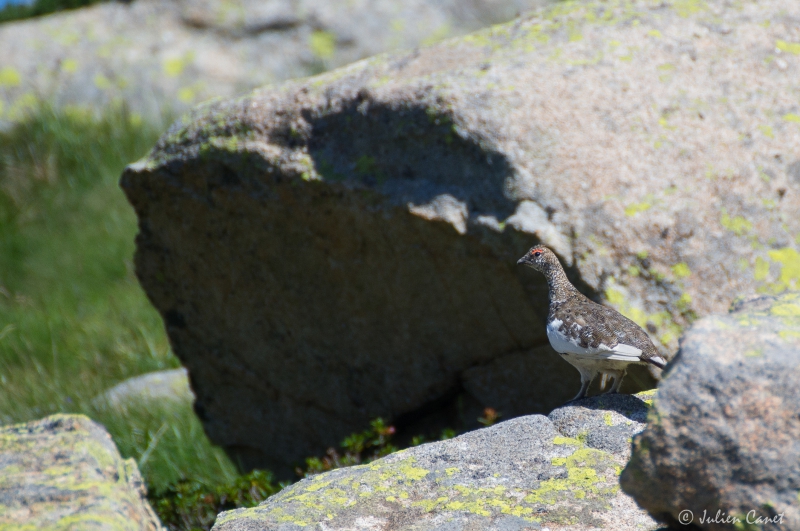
[
  {"x": 159, "y": 56},
  {"x": 722, "y": 446},
  {"x": 343, "y": 247},
  {"x": 522, "y": 474},
  {"x": 64, "y": 472}
]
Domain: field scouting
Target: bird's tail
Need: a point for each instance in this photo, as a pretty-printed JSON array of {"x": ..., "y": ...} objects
[{"x": 658, "y": 361}]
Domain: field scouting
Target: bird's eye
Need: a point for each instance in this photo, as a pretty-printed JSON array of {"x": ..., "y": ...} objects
[{"x": 537, "y": 253}]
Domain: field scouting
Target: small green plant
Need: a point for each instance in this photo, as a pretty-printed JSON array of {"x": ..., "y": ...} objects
[
  {"x": 193, "y": 505},
  {"x": 359, "y": 448},
  {"x": 447, "y": 433},
  {"x": 490, "y": 416}
]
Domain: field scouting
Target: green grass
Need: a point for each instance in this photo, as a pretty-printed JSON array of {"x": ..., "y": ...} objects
[
  {"x": 73, "y": 319},
  {"x": 41, "y": 7}
]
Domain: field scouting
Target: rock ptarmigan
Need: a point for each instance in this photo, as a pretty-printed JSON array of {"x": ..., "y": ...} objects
[{"x": 591, "y": 337}]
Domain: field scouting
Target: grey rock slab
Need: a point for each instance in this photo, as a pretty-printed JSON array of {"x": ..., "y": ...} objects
[
  {"x": 723, "y": 437},
  {"x": 521, "y": 474},
  {"x": 168, "y": 386},
  {"x": 333, "y": 249},
  {"x": 158, "y": 57},
  {"x": 64, "y": 472}
]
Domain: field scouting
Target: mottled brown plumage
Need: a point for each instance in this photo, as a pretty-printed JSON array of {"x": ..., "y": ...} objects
[{"x": 591, "y": 337}]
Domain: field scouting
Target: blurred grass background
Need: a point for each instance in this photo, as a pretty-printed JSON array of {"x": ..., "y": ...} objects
[
  {"x": 22, "y": 9},
  {"x": 74, "y": 321},
  {"x": 73, "y": 318}
]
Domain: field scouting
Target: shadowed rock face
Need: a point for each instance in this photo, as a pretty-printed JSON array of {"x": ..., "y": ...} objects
[
  {"x": 342, "y": 247},
  {"x": 532, "y": 472},
  {"x": 724, "y": 433}
]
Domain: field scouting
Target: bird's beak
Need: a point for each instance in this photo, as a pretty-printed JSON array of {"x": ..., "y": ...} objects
[{"x": 523, "y": 260}]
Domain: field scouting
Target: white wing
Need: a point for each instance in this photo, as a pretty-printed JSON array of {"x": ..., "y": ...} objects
[{"x": 621, "y": 352}]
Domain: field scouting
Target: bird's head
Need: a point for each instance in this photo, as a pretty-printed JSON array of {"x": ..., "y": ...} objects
[{"x": 540, "y": 258}]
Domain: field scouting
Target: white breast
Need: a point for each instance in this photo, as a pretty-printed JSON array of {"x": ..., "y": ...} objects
[{"x": 560, "y": 342}]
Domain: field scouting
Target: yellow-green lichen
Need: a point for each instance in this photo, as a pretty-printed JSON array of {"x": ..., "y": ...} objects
[
  {"x": 736, "y": 224},
  {"x": 635, "y": 208},
  {"x": 662, "y": 320},
  {"x": 174, "y": 66},
  {"x": 69, "y": 65},
  {"x": 790, "y": 266},
  {"x": 9, "y": 77},
  {"x": 317, "y": 485},
  {"x": 566, "y": 440},
  {"x": 761, "y": 269},
  {"x": 582, "y": 478},
  {"x": 437, "y": 35},
  {"x": 322, "y": 44},
  {"x": 647, "y": 396},
  {"x": 788, "y": 47},
  {"x": 687, "y": 8},
  {"x": 786, "y": 310},
  {"x": 681, "y": 270}
]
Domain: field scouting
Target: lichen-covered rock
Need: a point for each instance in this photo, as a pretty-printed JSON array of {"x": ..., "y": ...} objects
[
  {"x": 605, "y": 422},
  {"x": 343, "y": 247},
  {"x": 155, "y": 55},
  {"x": 64, "y": 472},
  {"x": 723, "y": 438},
  {"x": 522, "y": 474}
]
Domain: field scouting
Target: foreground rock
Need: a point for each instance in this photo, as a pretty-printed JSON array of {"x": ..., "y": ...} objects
[
  {"x": 64, "y": 472},
  {"x": 723, "y": 440},
  {"x": 341, "y": 248},
  {"x": 521, "y": 474},
  {"x": 159, "y": 56}
]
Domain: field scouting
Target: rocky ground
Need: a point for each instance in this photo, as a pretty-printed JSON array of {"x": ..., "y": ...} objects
[
  {"x": 534, "y": 472},
  {"x": 720, "y": 437}
]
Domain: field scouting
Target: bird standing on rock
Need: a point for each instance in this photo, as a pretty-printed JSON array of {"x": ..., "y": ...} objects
[{"x": 591, "y": 337}]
